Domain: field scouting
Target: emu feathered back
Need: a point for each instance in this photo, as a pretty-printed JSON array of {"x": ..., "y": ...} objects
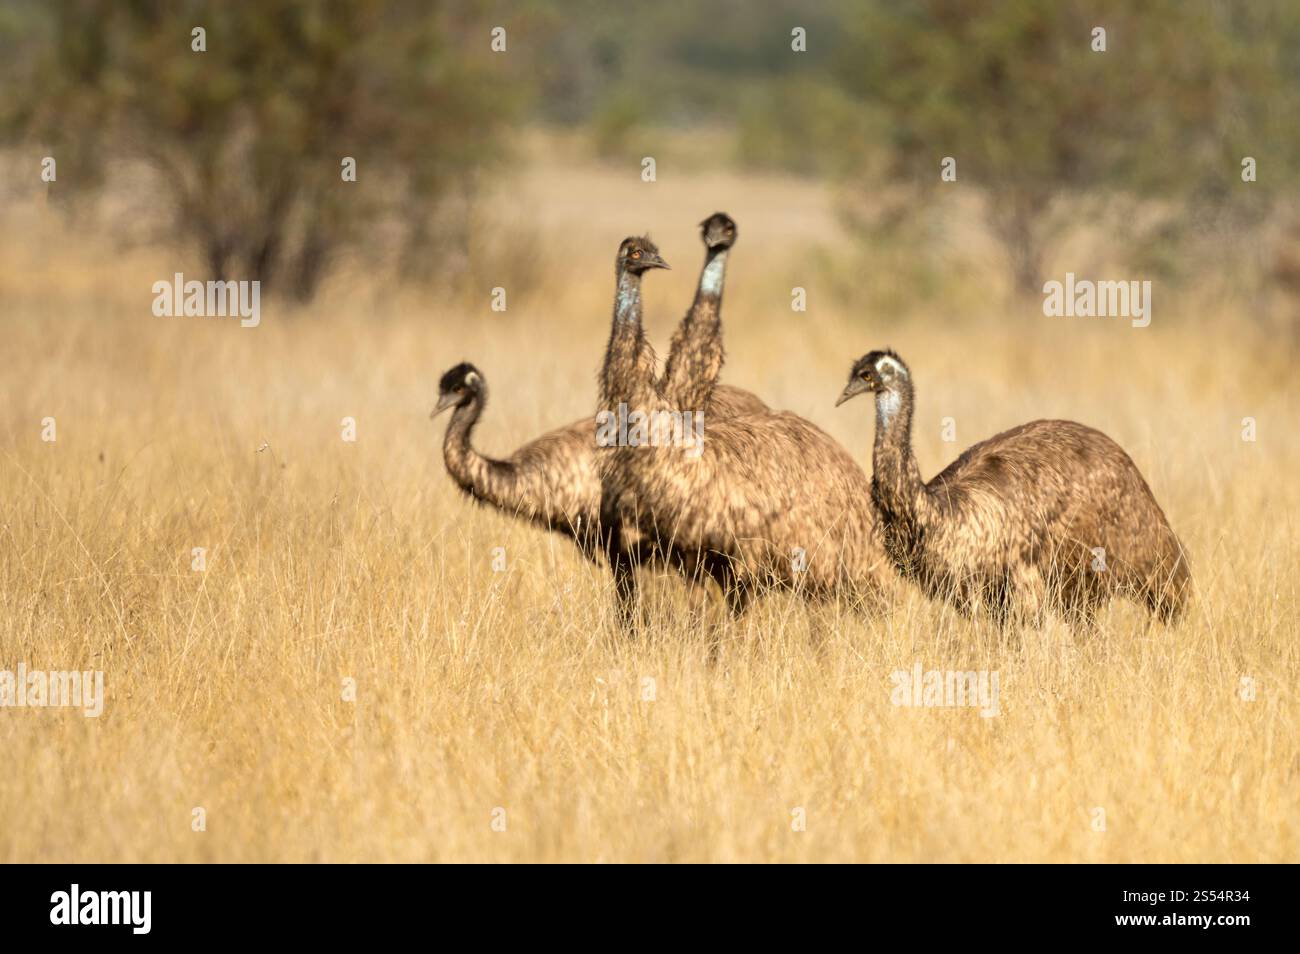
[{"x": 772, "y": 501}]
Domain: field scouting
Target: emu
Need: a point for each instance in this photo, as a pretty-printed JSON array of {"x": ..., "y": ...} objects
[
  {"x": 553, "y": 481},
  {"x": 1051, "y": 515},
  {"x": 771, "y": 502}
]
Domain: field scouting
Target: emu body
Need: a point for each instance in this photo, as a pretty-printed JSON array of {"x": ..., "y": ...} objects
[
  {"x": 772, "y": 502},
  {"x": 1051, "y": 515}
]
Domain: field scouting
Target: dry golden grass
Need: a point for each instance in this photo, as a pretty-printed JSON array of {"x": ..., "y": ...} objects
[{"x": 478, "y": 690}]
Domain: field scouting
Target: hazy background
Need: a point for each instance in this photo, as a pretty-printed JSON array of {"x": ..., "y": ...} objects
[
  {"x": 231, "y": 157},
  {"x": 329, "y": 560}
]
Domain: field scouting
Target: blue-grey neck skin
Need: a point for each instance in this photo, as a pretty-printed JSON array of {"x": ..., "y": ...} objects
[
  {"x": 629, "y": 365},
  {"x": 711, "y": 278},
  {"x": 696, "y": 355},
  {"x": 627, "y": 298}
]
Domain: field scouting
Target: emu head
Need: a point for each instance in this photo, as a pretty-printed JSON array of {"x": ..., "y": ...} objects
[
  {"x": 718, "y": 231},
  {"x": 458, "y": 387},
  {"x": 877, "y": 372},
  {"x": 638, "y": 254}
]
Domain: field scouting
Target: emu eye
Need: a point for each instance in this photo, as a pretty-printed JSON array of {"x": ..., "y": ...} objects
[{"x": 636, "y": 253}]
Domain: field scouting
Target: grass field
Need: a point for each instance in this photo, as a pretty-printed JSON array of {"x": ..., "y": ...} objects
[{"x": 478, "y": 690}]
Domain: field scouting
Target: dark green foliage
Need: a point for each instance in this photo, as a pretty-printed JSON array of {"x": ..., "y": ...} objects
[
  {"x": 1035, "y": 117},
  {"x": 248, "y": 137}
]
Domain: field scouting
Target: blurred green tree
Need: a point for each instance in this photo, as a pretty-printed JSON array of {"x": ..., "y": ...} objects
[
  {"x": 1033, "y": 113},
  {"x": 249, "y": 135}
]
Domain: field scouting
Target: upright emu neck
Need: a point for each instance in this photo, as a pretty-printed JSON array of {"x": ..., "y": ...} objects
[
  {"x": 628, "y": 372},
  {"x": 708, "y": 295},
  {"x": 896, "y": 479},
  {"x": 696, "y": 355},
  {"x": 492, "y": 481}
]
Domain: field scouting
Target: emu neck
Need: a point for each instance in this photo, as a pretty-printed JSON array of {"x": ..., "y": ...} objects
[
  {"x": 627, "y": 299},
  {"x": 709, "y": 292},
  {"x": 628, "y": 371},
  {"x": 896, "y": 479},
  {"x": 696, "y": 355},
  {"x": 483, "y": 478}
]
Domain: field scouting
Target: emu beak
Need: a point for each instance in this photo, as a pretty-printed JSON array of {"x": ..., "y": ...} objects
[
  {"x": 855, "y": 387},
  {"x": 444, "y": 401}
]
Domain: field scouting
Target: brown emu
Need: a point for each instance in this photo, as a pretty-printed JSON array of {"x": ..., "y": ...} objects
[
  {"x": 552, "y": 481},
  {"x": 1048, "y": 515},
  {"x": 770, "y": 501}
]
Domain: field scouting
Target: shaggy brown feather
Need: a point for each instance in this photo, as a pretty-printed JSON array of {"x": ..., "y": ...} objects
[
  {"x": 772, "y": 501},
  {"x": 1012, "y": 524}
]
